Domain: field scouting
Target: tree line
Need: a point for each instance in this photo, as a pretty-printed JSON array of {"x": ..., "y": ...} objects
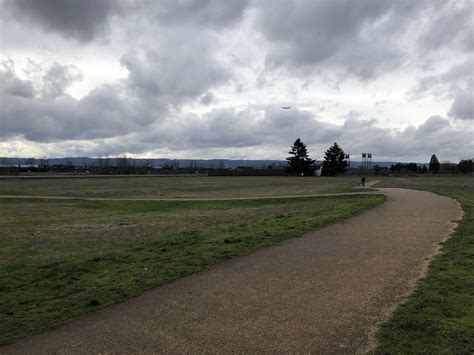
[{"x": 335, "y": 163}]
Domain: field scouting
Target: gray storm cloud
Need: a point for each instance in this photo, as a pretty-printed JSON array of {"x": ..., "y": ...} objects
[
  {"x": 82, "y": 20},
  {"x": 357, "y": 37},
  {"x": 58, "y": 78},
  {"x": 230, "y": 131},
  {"x": 188, "y": 63},
  {"x": 214, "y": 13},
  {"x": 463, "y": 106},
  {"x": 174, "y": 75},
  {"x": 451, "y": 26},
  {"x": 13, "y": 86}
]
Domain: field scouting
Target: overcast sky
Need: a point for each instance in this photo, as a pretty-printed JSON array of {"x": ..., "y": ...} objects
[{"x": 208, "y": 78}]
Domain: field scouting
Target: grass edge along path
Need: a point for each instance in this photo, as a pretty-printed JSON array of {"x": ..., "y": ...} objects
[
  {"x": 438, "y": 317},
  {"x": 90, "y": 283}
]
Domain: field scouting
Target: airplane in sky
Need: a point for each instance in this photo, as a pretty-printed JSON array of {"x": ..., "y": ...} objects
[{"x": 286, "y": 107}]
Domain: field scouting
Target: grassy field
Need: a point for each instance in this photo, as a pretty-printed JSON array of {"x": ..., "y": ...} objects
[
  {"x": 176, "y": 187},
  {"x": 439, "y": 316},
  {"x": 64, "y": 258}
]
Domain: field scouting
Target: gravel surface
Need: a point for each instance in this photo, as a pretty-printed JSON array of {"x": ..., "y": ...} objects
[{"x": 325, "y": 292}]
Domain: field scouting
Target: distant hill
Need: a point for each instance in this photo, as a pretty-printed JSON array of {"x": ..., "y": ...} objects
[
  {"x": 163, "y": 162},
  {"x": 156, "y": 163}
]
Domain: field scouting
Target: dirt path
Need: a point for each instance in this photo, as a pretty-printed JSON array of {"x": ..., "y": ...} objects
[
  {"x": 324, "y": 292},
  {"x": 37, "y": 197},
  {"x": 370, "y": 184}
]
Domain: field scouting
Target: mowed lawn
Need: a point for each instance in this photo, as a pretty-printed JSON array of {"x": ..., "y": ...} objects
[
  {"x": 439, "y": 316},
  {"x": 176, "y": 187},
  {"x": 60, "y": 259}
]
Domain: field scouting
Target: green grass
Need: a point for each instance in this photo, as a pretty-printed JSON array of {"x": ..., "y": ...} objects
[
  {"x": 439, "y": 316},
  {"x": 62, "y": 259},
  {"x": 176, "y": 187}
]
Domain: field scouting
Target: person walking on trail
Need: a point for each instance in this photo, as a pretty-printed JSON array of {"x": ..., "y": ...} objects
[{"x": 362, "y": 181}]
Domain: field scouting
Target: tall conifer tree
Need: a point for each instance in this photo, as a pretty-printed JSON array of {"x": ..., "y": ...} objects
[
  {"x": 434, "y": 164},
  {"x": 334, "y": 161},
  {"x": 299, "y": 161}
]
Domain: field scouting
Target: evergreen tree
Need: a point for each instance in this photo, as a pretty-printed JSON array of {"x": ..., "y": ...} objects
[
  {"x": 299, "y": 161},
  {"x": 466, "y": 166},
  {"x": 434, "y": 164},
  {"x": 412, "y": 167},
  {"x": 334, "y": 161}
]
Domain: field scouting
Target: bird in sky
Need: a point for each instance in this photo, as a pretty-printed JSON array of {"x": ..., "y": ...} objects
[{"x": 286, "y": 107}]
